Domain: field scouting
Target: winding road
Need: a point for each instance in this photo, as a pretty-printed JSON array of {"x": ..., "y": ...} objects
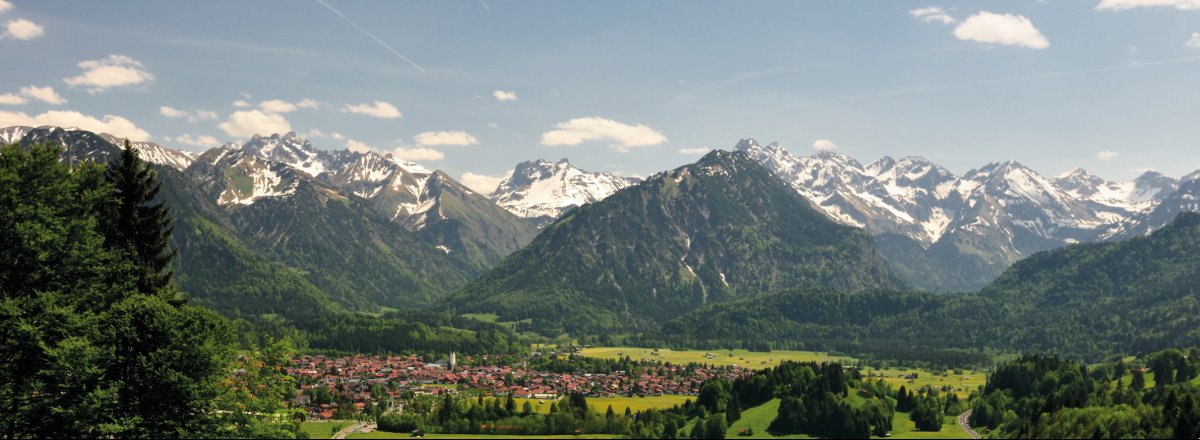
[
  {"x": 356, "y": 427},
  {"x": 964, "y": 422}
]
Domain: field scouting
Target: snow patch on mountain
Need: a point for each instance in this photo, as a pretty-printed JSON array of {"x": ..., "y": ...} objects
[{"x": 542, "y": 190}]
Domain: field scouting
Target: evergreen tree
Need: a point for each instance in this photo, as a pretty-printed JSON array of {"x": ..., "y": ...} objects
[
  {"x": 698, "y": 430},
  {"x": 733, "y": 410},
  {"x": 137, "y": 224},
  {"x": 1139, "y": 380},
  {"x": 715, "y": 427}
]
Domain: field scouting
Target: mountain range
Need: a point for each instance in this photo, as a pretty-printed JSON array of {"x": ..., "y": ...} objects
[
  {"x": 719, "y": 229},
  {"x": 347, "y": 230},
  {"x": 948, "y": 232}
]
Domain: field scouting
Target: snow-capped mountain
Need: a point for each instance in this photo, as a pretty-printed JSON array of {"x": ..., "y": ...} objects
[
  {"x": 1115, "y": 201},
  {"x": 1186, "y": 198},
  {"x": 911, "y": 197},
  {"x": 995, "y": 214},
  {"x": 234, "y": 176},
  {"x": 430, "y": 203},
  {"x": 292, "y": 150},
  {"x": 11, "y": 135},
  {"x": 81, "y": 145},
  {"x": 541, "y": 190}
]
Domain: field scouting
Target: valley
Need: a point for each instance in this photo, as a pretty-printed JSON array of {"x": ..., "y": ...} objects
[{"x": 679, "y": 300}]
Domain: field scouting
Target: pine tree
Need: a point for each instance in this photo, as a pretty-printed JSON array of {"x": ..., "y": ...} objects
[
  {"x": 733, "y": 410},
  {"x": 138, "y": 225}
]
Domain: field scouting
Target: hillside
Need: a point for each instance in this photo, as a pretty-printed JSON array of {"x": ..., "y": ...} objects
[
  {"x": 719, "y": 229},
  {"x": 1086, "y": 301}
]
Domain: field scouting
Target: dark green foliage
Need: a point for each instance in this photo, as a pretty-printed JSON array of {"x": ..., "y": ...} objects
[
  {"x": 137, "y": 223},
  {"x": 719, "y": 229},
  {"x": 1046, "y": 397},
  {"x": 942, "y": 268},
  {"x": 814, "y": 400},
  {"x": 87, "y": 351},
  {"x": 1084, "y": 301},
  {"x": 479, "y": 232},
  {"x": 927, "y": 415}
]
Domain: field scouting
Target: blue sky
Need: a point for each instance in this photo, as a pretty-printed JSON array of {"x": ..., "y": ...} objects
[{"x": 629, "y": 87}]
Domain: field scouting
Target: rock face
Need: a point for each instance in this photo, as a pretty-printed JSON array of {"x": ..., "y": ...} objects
[{"x": 542, "y": 191}]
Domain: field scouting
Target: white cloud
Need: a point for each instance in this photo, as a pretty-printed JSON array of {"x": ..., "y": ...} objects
[
  {"x": 247, "y": 123},
  {"x": 196, "y": 140},
  {"x": 625, "y": 136},
  {"x": 824, "y": 145},
  {"x": 1107, "y": 155},
  {"x": 482, "y": 184},
  {"x": 44, "y": 94},
  {"x": 11, "y": 99},
  {"x": 197, "y": 115},
  {"x": 241, "y": 103},
  {"x": 358, "y": 147},
  {"x": 316, "y": 133},
  {"x": 277, "y": 106},
  {"x": 114, "y": 71},
  {"x": 931, "y": 14},
  {"x": 172, "y": 112},
  {"x": 5, "y": 6},
  {"x": 1003, "y": 29},
  {"x": 505, "y": 95},
  {"x": 114, "y": 125},
  {"x": 698, "y": 150},
  {"x": 22, "y": 29},
  {"x": 1193, "y": 42},
  {"x": 433, "y": 138},
  {"x": 379, "y": 109},
  {"x": 308, "y": 104},
  {"x": 417, "y": 154},
  {"x": 1117, "y": 5}
]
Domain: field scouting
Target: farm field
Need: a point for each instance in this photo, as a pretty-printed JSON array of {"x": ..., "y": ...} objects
[
  {"x": 324, "y": 429},
  {"x": 743, "y": 358},
  {"x": 969, "y": 380},
  {"x": 600, "y": 404},
  {"x": 902, "y": 427}
]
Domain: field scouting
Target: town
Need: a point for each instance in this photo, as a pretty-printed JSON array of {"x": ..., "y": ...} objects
[{"x": 365, "y": 380}]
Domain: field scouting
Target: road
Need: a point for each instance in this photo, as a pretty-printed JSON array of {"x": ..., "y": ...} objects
[
  {"x": 965, "y": 424},
  {"x": 356, "y": 427}
]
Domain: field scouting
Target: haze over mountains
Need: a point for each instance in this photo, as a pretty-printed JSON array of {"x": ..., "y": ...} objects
[{"x": 364, "y": 230}]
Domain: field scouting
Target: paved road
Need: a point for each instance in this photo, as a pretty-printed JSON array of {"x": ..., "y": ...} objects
[
  {"x": 350, "y": 429},
  {"x": 965, "y": 424}
]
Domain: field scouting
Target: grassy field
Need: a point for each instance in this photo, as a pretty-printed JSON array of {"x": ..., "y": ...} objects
[
  {"x": 381, "y": 434},
  {"x": 1149, "y": 376},
  {"x": 758, "y": 419},
  {"x": 324, "y": 429},
  {"x": 600, "y": 405},
  {"x": 965, "y": 383},
  {"x": 742, "y": 358},
  {"x": 902, "y": 427}
]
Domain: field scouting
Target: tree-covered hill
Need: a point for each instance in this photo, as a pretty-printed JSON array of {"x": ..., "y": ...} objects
[
  {"x": 1084, "y": 301},
  {"x": 720, "y": 229}
]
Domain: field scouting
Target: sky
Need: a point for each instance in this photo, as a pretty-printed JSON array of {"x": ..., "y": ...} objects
[{"x": 473, "y": 87}]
